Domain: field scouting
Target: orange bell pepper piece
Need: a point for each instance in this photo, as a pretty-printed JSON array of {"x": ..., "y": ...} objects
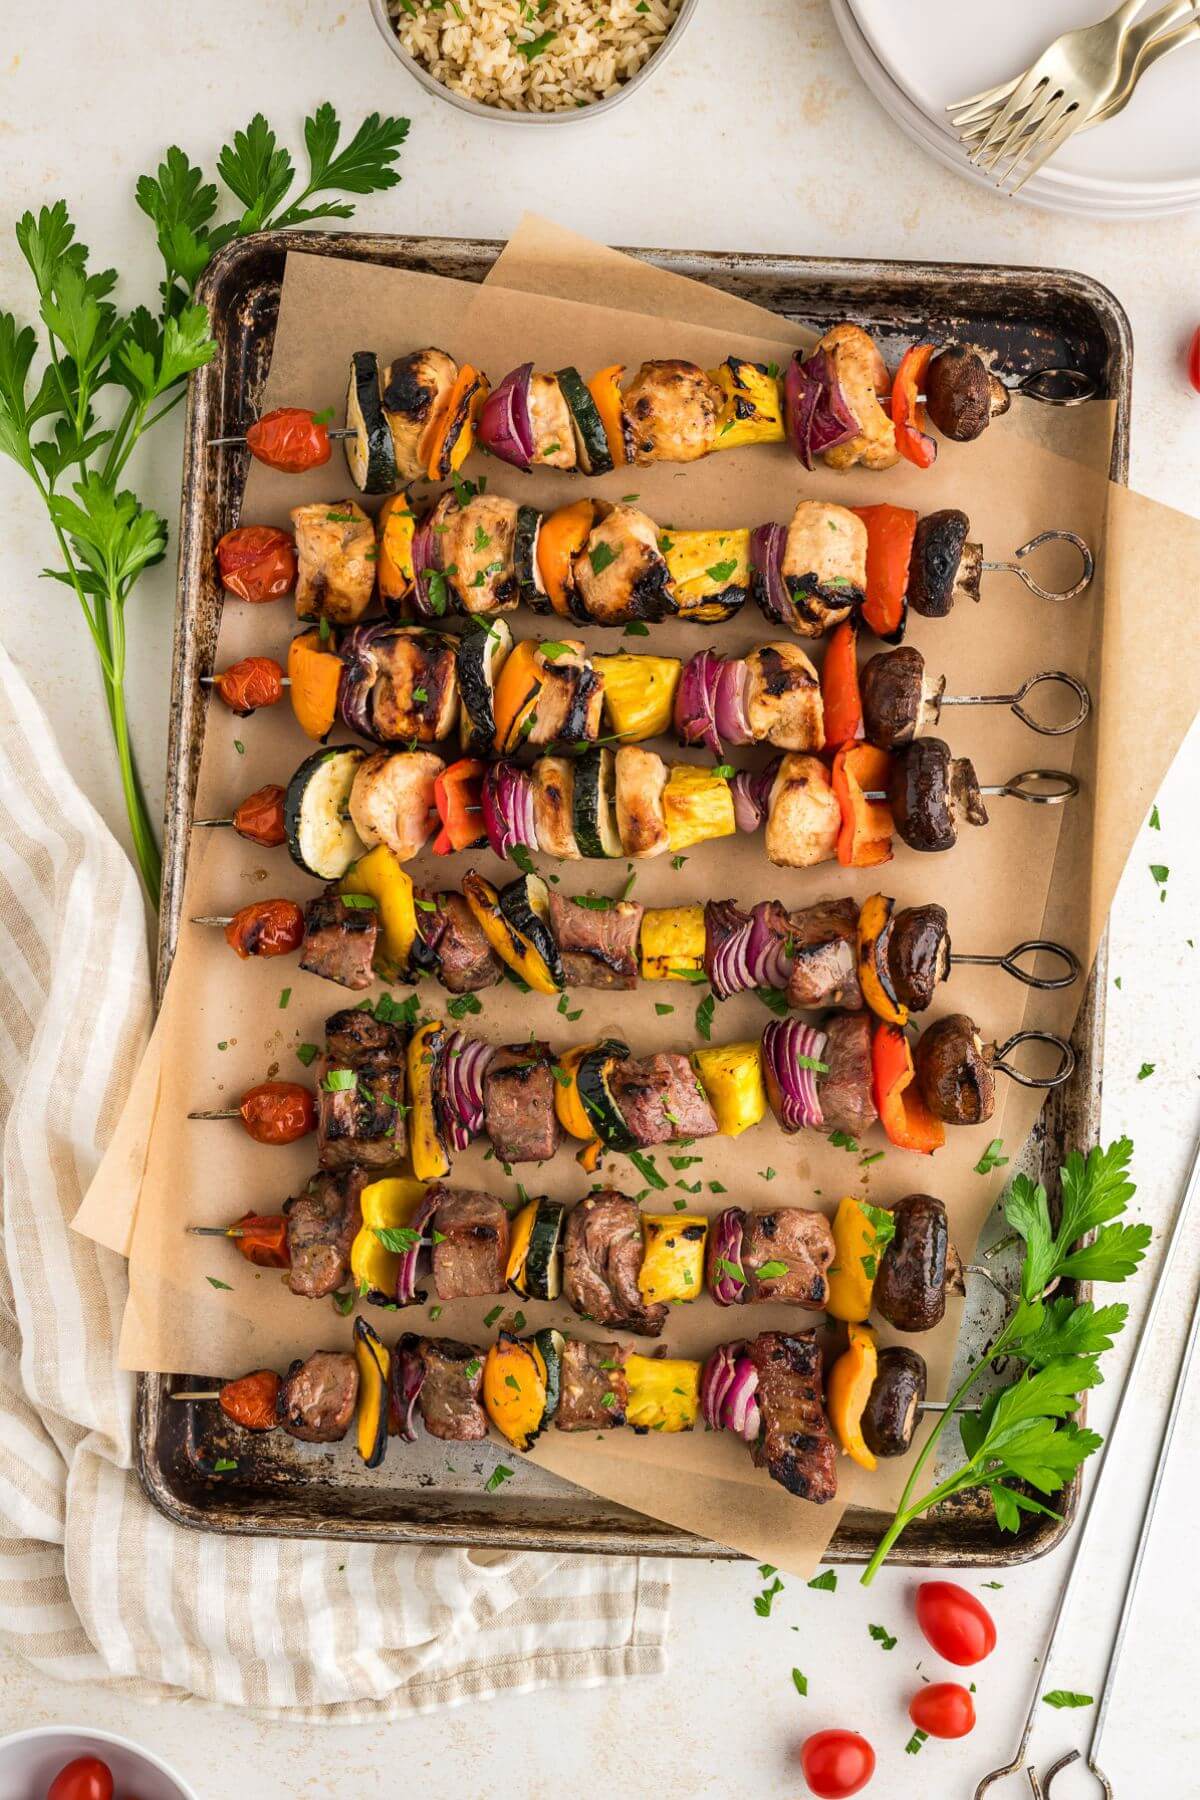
[
  {"x": 605, "y": 389},
  {"x": 913, "y": 440},
  {"x": 840, "y": 698},
  {"x": 903, "y": 1114},
  {"x": 561, "y": 538},
  {"x": 315, "y": 674},
  {"x": 890, "y": 534},
  {"x": 452, "y": 432},
  {"x": 517, "y": 689},
  {"x": 456, "y": 794},
  {"x": 847, "y": 1391},
  {"x": 866, "y": 834}
]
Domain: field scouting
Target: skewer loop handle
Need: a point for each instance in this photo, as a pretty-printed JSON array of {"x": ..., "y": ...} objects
[
  {"x": 1035, "y": 587},
  {"x": 1066, "y": 1063}
]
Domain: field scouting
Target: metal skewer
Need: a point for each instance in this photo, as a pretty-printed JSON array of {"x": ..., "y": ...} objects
[
  {"x": 1016, "y": 789},
  {"x": 1089, "y": 1499},
  {"x": 1015, "y": 702}
]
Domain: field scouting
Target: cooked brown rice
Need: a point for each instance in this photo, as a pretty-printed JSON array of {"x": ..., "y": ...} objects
[{"x": 578, "y": 50}]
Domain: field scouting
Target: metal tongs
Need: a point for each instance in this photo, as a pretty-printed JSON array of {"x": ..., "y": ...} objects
[{"x": 1040, "y": 1789}]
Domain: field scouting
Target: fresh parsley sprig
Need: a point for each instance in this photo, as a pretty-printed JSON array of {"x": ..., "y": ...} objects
[
  {"x": 106, "y": 377},
  {"x": 1025, "y": 1432}
]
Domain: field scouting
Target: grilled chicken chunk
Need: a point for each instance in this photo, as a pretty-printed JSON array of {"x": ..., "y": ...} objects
[
  {"x": 598, "y": 946},
  {"x": 335, "y": 555},
  {"x": 795, "y": 1248},
  {"x": 602, "y": 1255},
  {"x": 415, "y": 388},
  {"x": 595, "y": 1388},
  {"x": 550, "y": 417},
  {"x": 450, "y": 1404},
  {"x": 322, "y": 1223},
  {"x": 571, "y": 698},
  {"x": 413, "y": 679},
  {"x": 783, "y": 698},
  {"x": 641, "y": 819},
  {"x": 360, "y": 1095},
  {"x": 862, "y": 376},
  {"x": 391, "y": 800},
  {"x": 318, "y": 1397},
  {"x": 671, "y": 411},
  {"x": 824, "y": 565},
  {"x": 823, "y": 939},
  {"x": 803, "y": 817},
  {"x": 847, "y": 1101},
  {"x": 795, "y": 1444},
  {"x": 553, "y": 807},
  {"x": 339, "y": 940},
  {"x": 518, "y": 1104},
  {"x": 470, "y": 1252},
  {"x": 660, "y": 1099},
  {"x": 477, "y": 545},
  {"x": 621, "y": 573}
]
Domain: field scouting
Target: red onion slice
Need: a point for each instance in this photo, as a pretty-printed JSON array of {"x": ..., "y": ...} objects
[
  {"x": 767, "y": 545},
  {"x": 507, "y": 802},
  {"x": 833, "y": 423},
  {"x": 728, "y": 1392},
  {"x": 465, "y": 1062},
  {"x": 505, "y": 426},
  {"x": 405, "y": 1384},
  {"x": 767, "y": 954},
  {"x": 426, "y": 561},
  {"x": 410, "y": 1259},
  {"x": 752, "y": 795},
  {"x": 726, "y": 936},
  {"x": 716, "y": 1379},
  {"x": 793, "y": 1054},
  {"x": 727, "y": 1289},
  {"x": 729, "y": 702},
  {"x": 695, "y": 717},
  {"x": 801, "y": 394}
]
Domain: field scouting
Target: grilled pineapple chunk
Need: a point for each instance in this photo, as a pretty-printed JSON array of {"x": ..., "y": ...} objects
[
  {"x": 671, "y": 942},
  {"x": 663, "y": 1395},
  {"x": 673, "y": 1256},
  {"x": 752, "y": 412},
  {"x": 697, "y": 805},
  {"x": 639, "y": 694},
  {"x": 731, "y": 1076},
  {"x": 710, "y": 571}
]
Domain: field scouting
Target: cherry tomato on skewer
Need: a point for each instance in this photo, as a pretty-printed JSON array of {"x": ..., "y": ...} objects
[
  {"x": 836, "y": 1764},
  {"x": 251, "y": 1400},
  {"x": 257, "y": 562},
  {"x": 253, "y": 682},
  {"x": 259, "y": 816},
  {"x": 87, "y": 1778},
  {"x": 943, "y": 1710},
  {"x": 956, "y": 1624},
  {"x": 266, "y": 928},
  {"x": 290, "y": 438},
  {"x": 278, "y": 1112}
]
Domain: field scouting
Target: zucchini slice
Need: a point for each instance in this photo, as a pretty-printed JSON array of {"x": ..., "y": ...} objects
[
  {"x": 525, "y": 908},
  {"x": 370, "y": 453},
  {"x": 534, "y": 1258},
  {"x": 525, "y": 563},
  {"x": 482, "y": 651},
  {"x": 595, "y": 804},
  {"x": 551, "y": 1343},
  {"x": 591, "y": 441},
  {"x": 591, "y": 1079},
  {"x": 316, "y": 813},
  {"x": 374, "y": 1364}
]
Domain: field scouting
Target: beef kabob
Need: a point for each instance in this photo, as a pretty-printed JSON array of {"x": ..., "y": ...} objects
[{"x": 420, "y": 417}]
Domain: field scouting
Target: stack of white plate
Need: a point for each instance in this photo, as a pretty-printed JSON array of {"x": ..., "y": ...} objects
[{"x": 917, "y": 56}]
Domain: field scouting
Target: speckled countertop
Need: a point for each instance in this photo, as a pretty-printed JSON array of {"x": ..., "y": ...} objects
[{"x": 758, "y": 136}]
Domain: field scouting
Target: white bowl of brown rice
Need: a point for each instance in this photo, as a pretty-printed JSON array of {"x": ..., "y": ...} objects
[{"x": 532, "y": 62}]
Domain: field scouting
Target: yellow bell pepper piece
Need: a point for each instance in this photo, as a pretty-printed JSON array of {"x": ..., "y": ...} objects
[
  {"x": 379, "y": 875},
  {"x": 671, "y": 943},
  {"x": 731, "y": 1075},
  {"x": 664, "y": 1395},
  {"x": 374, "y": 1367},
  {"x": 753, "y": 409},
  {"x": 386, "y": 1205},
  {"x": 847, "y": 1391},
  {"x": 673, "y": 1257},
  {"x": 859, "y": 1241},
  {"x": 697, "y": 805},
  {"x": 514, "y": 1389},
  {"x": 639, "y": 694}
]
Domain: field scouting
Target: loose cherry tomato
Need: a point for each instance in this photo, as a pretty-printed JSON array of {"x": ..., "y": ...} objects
[
  {"x": 837, "y": 1764},
  {"x": 87, "y": 1778},
  {"x": 260, "y": 817},
  {"x": 291, "y": 438},
  {"x": 255, "y": 681},
  {"x": 278, "y": 1112},
  {"x": 266, "y": 928},
  {"x": 251, "y": 1400},
  {"x": 257, "y": 562},
  {"x": 956, "y": 1624},
  {"x": 943, "y": 1710},
  {"x": 1194, "y": 361}
]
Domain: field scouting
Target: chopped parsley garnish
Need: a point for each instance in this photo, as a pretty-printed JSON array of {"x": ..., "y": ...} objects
[
  {"x": 307, "y": 1053},
  {"x": 915, "y": 1743},
  {"x": 704, "y": 1017},
  {"x": 344, "y": 1302},
  {"x": 285, "y": 995},
  {"x": 239, "y": 746},
  {"x": 1160, "y": 872},
  {"x": 721, "y": 571},
  {"x": 842, "y": 1140},
  {"x": 775, "y": 1000},
  {"x": 881, "y": 1636},
  {"x": 732, "y": 1269},
  {"x": 662, "y": 1009},
  {"x": 800, "y": 1683},
  {"x": 1063, "y": 1697},
  {"x": 340, "y": 1081},
  {"x": 465, "y": 1003},
  {"x": 677, "y": 862},
  {"x": 213, "y": 1282},
  {"x": 224, "y": 1464},
  {"x": 359, "y": 902},
  {"x": 771, "y": 1271},
  {"x": 1146, "y": 1070},
  {"x": 636, "y": 628},
  {"x": 1154, "y": 821},
  {"x": 499, "y": 1475},
  {"x": 825, "y": 1583},
  {"x": 645, "y": 1167},
  {"x": 763, "y": 1602},
  {"x": 767, "y": 1174},
  {"x": 601, "y": 556},
  {"x": 991, "y": 1158}
]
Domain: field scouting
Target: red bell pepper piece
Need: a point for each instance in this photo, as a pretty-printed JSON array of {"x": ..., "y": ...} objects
[
  {"x": 903, "y": 1114},
  {"x": 890, "y": 534},
  {"x": 840, "y": 697},
  {"x": 457, "y": 794},
  {"x": 908, "y": 411},
  {"x": 866, "y": 834}
]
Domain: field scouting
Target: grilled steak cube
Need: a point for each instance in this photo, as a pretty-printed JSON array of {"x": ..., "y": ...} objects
[
  {"x": 795, "y": 1445},
  {"x": 598, "y": 945},
  {"x": 356, "y": 1039},
  {"x": 518, "y": 1104},
  {"x": 464, "y": 960},
  {"x": 318, "y": 1397},
  {"x": 360, "y": 1094},
  {"x": 660, "y": 1099},
  {"x": 847, "y": 1103},
  {"x": 322, "y": 1223},
  {"x": 594, "y": 1391},
  {"x": 339, "y": 940},
  {"x": 785, "y": 1255},
  {"x": 602, "y": 1256},
  {"x": 823, "y": 941},
  {"x": 450, "y": 1404},
  {"x": 470, "y": 1251}
]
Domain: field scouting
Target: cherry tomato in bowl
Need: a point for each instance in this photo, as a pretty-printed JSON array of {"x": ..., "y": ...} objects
[
  {"x": 87, "y": 1778},
  {"x": 836, "y": 1764},
  {"x": 945, "y": 1709},
  {"x": 956, "y": 1624}
]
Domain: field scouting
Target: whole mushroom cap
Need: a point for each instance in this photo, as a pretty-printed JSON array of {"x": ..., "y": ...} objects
[{"x": 961, "y": 394}]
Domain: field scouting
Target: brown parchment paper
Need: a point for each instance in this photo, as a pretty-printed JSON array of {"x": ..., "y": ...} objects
[{"x": 227, "y": 1027}]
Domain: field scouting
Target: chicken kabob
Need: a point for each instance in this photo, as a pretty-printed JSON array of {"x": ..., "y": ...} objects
[
  {"x": 388, "y": 1091},
  {"x": 522, "y": 1385},
  {"x": 421, "y": 416}
]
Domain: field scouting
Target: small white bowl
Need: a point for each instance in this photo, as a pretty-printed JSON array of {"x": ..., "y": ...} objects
[
  {"x": 568, "y": 115},
  {"x": 29, "y": 1761}
]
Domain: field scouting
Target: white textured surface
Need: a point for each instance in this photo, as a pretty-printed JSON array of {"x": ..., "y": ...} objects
[{"x": 757, "y": 137}]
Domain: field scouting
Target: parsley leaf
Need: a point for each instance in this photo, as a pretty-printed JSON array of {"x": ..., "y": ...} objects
[{"x": 1063, "y": 1697}]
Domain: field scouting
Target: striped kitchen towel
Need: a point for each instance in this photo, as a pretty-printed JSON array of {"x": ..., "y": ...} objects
[{"x": 95, "y": 1585}]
